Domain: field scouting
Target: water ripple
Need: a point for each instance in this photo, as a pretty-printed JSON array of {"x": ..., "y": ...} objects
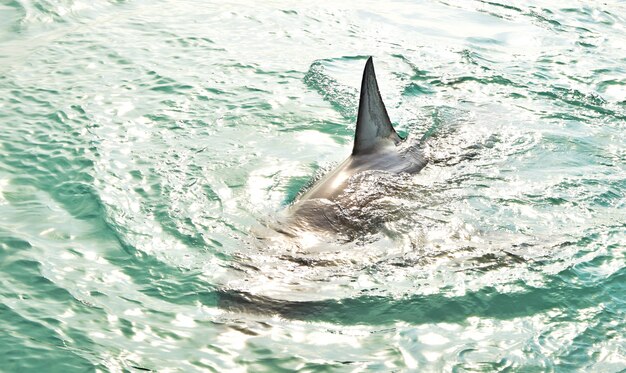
[{"x": 149, "y": 150}]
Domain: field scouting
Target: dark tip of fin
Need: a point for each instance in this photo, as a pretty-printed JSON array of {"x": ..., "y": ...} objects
[{"x": 373, "y": 125}]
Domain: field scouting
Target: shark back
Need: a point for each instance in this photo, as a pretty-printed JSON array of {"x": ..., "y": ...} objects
[{"x": 377, "y": 146}]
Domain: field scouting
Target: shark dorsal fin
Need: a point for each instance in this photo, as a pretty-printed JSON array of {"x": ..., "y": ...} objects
[{"x": 373, "y": 125}]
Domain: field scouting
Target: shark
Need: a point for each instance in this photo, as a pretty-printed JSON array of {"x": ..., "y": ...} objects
[{"x": 327, "y": 206}]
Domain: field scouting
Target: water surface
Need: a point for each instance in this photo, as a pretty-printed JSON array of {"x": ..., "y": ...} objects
[{"x": 144, "y": 143}]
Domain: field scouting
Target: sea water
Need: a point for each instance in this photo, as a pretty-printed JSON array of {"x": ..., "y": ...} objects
[{"x": 143, "y": 143}]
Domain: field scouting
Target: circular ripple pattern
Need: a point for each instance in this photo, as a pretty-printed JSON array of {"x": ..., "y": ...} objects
[{"x": 148, "y": 146}]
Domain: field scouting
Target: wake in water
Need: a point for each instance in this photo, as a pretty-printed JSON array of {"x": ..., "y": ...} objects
[{"x": 382, "y": 224}]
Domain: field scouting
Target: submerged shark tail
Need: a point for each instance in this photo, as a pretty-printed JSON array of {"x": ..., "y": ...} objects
[{"x": 373, "y": 125}]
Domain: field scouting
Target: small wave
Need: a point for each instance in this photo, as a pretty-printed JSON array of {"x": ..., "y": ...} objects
[{"x": 343, "y": 99}]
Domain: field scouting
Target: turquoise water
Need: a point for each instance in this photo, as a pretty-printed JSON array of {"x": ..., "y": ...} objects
[{"x": 144, "y": 143}]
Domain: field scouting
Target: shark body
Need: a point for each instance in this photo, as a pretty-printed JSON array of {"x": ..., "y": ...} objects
[{"x": 377, "y": 147}]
